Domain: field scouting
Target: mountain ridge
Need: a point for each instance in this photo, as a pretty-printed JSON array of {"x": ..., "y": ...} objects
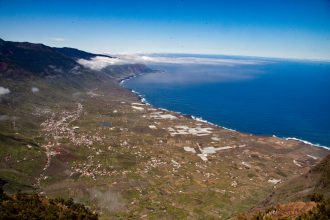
[{"x": 78, "y": 54}]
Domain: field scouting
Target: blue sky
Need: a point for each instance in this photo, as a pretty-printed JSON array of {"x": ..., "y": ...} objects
[{"x": 275, "y": 28}]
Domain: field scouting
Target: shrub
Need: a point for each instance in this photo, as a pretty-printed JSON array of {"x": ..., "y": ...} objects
[
  {"x": 33, "y": 206},
  {"x": 320, "y": 212}
]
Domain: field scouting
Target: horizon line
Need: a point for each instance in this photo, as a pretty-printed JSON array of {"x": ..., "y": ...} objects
[{"x": 320, "y": 59}]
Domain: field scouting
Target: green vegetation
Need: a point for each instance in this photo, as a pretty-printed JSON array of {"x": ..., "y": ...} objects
[
  {"x": 33, "y": 206},
  {"x": 320, "y": 212}
]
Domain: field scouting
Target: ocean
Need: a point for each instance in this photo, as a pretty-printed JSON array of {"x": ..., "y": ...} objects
[{"x": 263, "y": 96}]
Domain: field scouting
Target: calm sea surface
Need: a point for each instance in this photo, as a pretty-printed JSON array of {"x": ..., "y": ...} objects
[{"x": 253, "y": 95}]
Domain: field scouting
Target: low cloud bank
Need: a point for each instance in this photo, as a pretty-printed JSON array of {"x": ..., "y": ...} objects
[
  {"x": 4, "y": 91},
  {"x": 98, "y": 62},
  {"x": 186, "y": 60}
]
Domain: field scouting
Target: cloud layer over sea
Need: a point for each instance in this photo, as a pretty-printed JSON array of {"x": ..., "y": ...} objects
[{"x": 99, "y": 62}]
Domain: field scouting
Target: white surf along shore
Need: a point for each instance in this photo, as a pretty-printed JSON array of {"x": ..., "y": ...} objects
[{"x": 200, "y": 119}]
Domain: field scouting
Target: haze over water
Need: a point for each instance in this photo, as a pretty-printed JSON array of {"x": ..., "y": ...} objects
[{"x": 286, "y": 98}]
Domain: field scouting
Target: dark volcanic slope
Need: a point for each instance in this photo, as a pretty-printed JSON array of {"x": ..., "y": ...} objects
[
  {"x": 78, "y": 54},
  {"x": 18, "y": 59},
  {"x": 35, "y": 58}
]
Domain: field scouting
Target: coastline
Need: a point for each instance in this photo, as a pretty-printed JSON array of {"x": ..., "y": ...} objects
[{"x": 200, "y": 119}]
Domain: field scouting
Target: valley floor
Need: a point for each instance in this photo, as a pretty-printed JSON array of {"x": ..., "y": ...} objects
[{"x": 124, "y": 159}]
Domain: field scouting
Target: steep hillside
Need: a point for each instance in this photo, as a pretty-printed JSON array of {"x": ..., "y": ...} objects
[
  {"x": 35, "y": 58},
  {"x": 18, "y": 59},
  {"x": 78, "y": 54},
  {"x": 305, "y": 197},
  {"x": 315, "y": 181}
]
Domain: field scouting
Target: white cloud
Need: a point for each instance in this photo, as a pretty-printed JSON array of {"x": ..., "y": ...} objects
[
  {"x": 98, "y": 62},
  {"x": 34, "y": 89},
  {"x": 186, "y": 60},
  {"x": 57, "y": 39},
  {"x": 4, "y": 91}
]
